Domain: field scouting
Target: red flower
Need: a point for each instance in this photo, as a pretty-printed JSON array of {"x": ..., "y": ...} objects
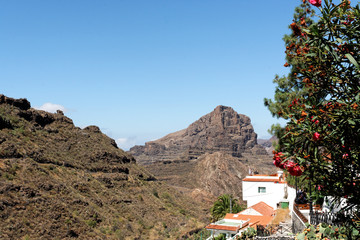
[
  {"x": 280, "y": 164},
  {"x": 316, "y": 3},
  {"x": 316, "y": 136},
  {"x": 293, "y": 168},
  {"x": 279, "y": 160}
]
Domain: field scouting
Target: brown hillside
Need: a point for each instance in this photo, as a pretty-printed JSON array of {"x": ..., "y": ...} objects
[{"x": 58, "y": 181}]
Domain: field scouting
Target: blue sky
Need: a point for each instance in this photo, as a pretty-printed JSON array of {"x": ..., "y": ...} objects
[{"x": 140, "y": 69}]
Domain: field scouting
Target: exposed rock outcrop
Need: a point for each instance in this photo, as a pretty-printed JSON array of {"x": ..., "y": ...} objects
[
  {"x": 21, "y": 103},
  {"x": 222, "y": 130},
  {"x": 209, "y": 158}
]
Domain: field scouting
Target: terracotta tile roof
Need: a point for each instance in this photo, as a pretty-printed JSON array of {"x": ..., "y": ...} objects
[
  {"x": 263, "y": 208},
  {"x": 254, "y": 224},
  {"x": 277, "y": 180},
  {"x": 261, "y": 220},
  {"x": 233, "y": 216},
  {"x": 222, "y": 227},
  {"x": 247, "y": 220},
  {"x": 265, "y": 175},
  {"x": 258, "y": 220}
]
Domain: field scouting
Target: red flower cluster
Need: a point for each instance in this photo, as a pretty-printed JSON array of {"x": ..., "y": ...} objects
[
  {"x": 316, "y": 3},
  {"x": 316, "y": 136},
  {"x": 280, "y": 162},
  {"x": 293, "y": 168},
  {"x": 294, "y": 102}
]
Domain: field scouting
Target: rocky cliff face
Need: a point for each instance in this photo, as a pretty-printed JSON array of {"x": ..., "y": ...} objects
[
  {"x": 268, "y": 143},
  {"x": 210, "y": 157},
  {"x": 58, "y": 181},
  {"x": 222, "y": 130}
]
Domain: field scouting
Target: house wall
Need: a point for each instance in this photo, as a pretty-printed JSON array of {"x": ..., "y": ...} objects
[
  {"x": 291, "y": 196},
  {"x": 274, "y": 193}
]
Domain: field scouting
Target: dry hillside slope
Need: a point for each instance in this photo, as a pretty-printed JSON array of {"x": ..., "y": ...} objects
[{"x": 58, "y": 181}]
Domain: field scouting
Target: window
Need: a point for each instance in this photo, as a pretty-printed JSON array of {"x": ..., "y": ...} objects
[{"x": 261, "y": 189}]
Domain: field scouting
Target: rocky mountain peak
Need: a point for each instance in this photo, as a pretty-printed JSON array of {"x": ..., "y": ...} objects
[
  {"x": 222, "y": 130},
  {"x": 209, "y": 158}
]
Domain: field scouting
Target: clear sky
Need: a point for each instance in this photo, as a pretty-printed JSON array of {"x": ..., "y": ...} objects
[{"x": 140, "y": 69}]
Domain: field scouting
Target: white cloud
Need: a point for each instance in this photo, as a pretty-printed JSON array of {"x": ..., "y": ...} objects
[
  {"x": 51, "y": 107},
  {"x": 126, "y": 143}
]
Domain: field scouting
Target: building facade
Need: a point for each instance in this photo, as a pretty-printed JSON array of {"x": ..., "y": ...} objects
[{"x": 271, "y": 189}]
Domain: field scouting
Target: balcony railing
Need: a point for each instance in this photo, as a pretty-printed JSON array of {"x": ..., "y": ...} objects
[{"x": 324, "y": 217}]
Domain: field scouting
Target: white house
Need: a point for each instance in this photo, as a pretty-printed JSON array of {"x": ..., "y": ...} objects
[
  {"x": 234, "y": 224},
  {"x": 271, "y": 189},
  {"x": 229, "y": 225}
]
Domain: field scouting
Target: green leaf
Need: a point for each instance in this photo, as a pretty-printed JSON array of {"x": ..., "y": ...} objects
[
  {"x": 357, "y": 98},
  {"x": 355, "y": 233},
  {"x": 351, "y": 122},
  {"x": 301, "y": 236},
  {"x": 333, "y": 10},
  {"x": 339, "y": 40},
  {"x": 352, "y": 60}
]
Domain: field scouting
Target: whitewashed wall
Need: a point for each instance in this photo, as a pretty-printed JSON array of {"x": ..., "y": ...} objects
[
  {"x": 274, "y": 193},
  {"x": 291, "y": 197}
]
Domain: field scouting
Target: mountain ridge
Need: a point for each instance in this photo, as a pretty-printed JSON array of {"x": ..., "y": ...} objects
[{"x": 221, "y": 130}]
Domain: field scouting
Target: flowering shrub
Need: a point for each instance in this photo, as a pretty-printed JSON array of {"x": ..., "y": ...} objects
[
  {"x": 280, "y": 161},
  {"x": 320, "y": 99}
]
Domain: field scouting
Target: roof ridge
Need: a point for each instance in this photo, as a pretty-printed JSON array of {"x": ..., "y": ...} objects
[{"x": 263, "y": 208}]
